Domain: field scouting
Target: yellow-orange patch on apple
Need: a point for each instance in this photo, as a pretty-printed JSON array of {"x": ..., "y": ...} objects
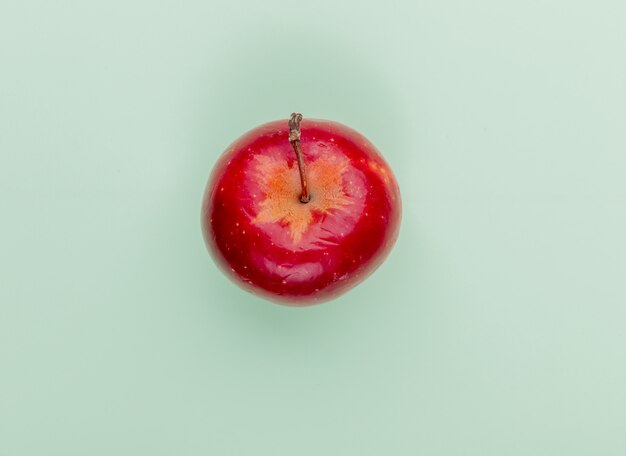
[{"x": 280, "y": 184}]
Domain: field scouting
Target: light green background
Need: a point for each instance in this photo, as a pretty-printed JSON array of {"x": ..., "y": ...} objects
[{"x": 496, "y": 327}]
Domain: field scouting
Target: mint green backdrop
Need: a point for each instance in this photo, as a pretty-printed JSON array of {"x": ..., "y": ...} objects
[{"x": 496, "y": 327}]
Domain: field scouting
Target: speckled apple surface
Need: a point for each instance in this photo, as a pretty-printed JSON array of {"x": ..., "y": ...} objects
[
  {"x": 270, "y": 243},
  {"x": 495, "y": 327}
]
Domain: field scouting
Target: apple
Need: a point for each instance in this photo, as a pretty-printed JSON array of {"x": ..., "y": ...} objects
[{"x": 300, "y": 211}]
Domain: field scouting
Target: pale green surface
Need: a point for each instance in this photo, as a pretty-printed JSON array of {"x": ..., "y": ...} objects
[{"x": 496, "y": 327}]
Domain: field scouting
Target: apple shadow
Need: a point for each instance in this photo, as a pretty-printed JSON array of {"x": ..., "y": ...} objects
[{"x": 265, "y": 76}]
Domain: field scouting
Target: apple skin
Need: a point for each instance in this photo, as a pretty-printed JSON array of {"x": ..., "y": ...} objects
[{"x": 293, "y": 253}]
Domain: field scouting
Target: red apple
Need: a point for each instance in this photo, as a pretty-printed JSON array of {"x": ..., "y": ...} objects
[{"x": 300, "y": 218}]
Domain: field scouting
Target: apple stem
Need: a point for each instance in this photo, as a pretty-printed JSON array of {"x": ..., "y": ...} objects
[{"x": 294, "y": 139}]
